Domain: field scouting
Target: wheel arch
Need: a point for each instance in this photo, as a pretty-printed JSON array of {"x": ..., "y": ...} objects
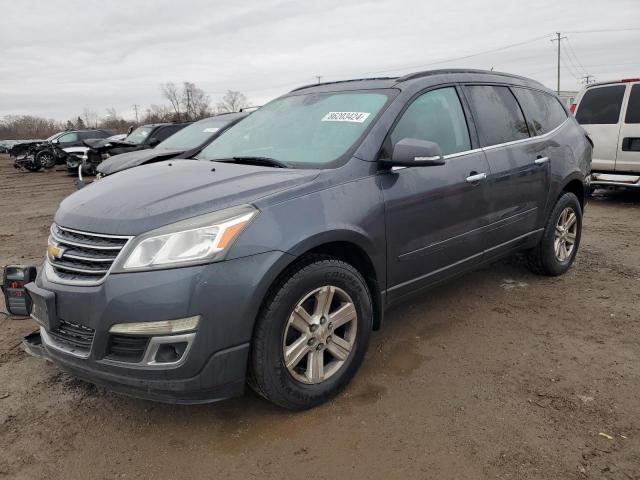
[
  {"x": 575, "y": 185},
  {"x": 349, "y": 246}
]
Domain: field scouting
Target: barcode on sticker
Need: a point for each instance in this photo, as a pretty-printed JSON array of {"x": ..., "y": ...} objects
[{"x": 357, "y": 117}]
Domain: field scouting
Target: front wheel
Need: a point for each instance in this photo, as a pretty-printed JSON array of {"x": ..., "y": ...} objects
[
  {"x": 559, "y": 244},
  {"x": 46, "y": 159},
  {"x": 312, "y": 333}
]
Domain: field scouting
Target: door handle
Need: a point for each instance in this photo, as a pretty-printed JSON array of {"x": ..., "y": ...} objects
[
  {"x": 541, "y": 160},
  {"x": 476, "y": 177}
]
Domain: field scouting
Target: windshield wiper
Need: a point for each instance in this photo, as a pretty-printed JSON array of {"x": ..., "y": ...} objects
[{"x": 271, "y": 162}]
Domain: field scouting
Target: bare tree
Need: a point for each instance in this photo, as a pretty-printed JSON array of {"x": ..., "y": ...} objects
[
  {"x": 232, "y": 101},
  {"x": 195, "y": 102},
  {"x": 171, "y": 93},
  {"x": 158, "y": 114},
  {"x": 24, "y": 127},
  {"x": 90, "y": 118}
]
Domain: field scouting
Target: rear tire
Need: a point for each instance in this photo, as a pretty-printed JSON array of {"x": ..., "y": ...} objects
[
  {"x": 312, "y": 333},
  {"x": 560, "y": 240}
]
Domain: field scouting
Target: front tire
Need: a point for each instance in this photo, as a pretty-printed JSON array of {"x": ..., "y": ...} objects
[
  {"x": 45, "y": 159},
  {"x": 558, "y": 247},
  {"x": 312, "y": 333}
]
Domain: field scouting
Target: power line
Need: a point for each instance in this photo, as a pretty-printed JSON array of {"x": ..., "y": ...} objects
[
  {"x": 605, "y": 30},
  {"x": 573, "y": 52},
  {"x": 446, "y": 60},
  {"x": 455, "y": 59}
]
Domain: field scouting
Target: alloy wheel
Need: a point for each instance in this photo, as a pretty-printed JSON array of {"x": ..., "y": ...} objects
[
  {"x": 565, "y": 235},
  {"x": 320, "y": 335}
]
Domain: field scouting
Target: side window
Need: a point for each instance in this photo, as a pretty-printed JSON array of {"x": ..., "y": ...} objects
[
  {"x": 436, "y": 116},
  {"x": 633, "y": 107},
  {"x": 165, "y": 132},
  {"x": 68, "y": 138},
  {"x": 543, "y": 111},
  {"x": 89, "y": 135},
  {"x": 601, "y": 105},
  {"x": 497, "y": 114}
]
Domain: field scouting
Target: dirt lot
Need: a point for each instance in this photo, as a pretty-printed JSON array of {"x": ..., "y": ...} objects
[{"x": 501, "y": 374}]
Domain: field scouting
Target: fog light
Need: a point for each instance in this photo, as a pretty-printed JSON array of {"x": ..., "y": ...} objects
[
  {"x": 164, "y": 327},
  {"x": 170, "y": 352},
  {"x": 14, "y": 278}
]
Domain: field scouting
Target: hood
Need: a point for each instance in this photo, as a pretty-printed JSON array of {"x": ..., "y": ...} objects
[
  {"x": 154, "y": 195},
  {"x": 133, "y": 159}
]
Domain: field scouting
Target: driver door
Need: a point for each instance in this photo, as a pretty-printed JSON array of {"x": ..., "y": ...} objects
[{"x": 435, "y": 216}]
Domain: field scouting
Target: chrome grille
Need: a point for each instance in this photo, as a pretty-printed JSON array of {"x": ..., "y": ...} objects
[{"x": 86, "y": 257}]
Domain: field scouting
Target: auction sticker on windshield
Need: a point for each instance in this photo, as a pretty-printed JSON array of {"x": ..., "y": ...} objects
[{"x": 357, "y": 117}]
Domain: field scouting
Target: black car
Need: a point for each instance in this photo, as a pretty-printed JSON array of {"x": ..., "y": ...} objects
[
  {"x": 183, "y": 144},
  {"x": 146, "y": 136},
  {"x": 142, "y": 138},
  {"x": 271, "y": 259},
  {"x": 76, "y": 138}
]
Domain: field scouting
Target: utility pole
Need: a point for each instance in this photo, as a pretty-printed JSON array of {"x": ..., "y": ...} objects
[
  {"x": 135, "y": 109},
  {"x": 558, "y": 40},
  {"x": 587, "y": 79},
  {"x": 319, "y": 77}
]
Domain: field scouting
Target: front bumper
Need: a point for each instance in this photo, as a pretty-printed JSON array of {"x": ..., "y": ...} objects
[{"x": 227, "y": 295}]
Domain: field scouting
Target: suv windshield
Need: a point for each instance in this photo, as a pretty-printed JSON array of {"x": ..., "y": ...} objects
[
  {"x": 308, "y": 131},
  {"x": 193, "y": 135},
  {"x": 139, "y": 135},
  {"x": 54, "y": 136}
]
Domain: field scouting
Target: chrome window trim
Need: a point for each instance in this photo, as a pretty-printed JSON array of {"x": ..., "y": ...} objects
[{"x": 498, "y": 145}]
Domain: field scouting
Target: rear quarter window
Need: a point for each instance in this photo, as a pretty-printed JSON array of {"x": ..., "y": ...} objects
[
  {"x": 165, "y": 132},
  {"x": 497, "y": 114},
  {"x": 601, "y": 105},
  {"x": 543, "y": 111},
  {"x": 633, "y": 107}
]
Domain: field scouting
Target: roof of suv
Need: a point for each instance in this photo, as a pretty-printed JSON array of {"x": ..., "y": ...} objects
[{"x": 428, "y": 76}]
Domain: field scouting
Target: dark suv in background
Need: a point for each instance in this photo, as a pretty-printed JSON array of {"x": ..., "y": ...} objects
[
  {"x": 273, "y": 257},
  {"x": 184, "y": 144}
]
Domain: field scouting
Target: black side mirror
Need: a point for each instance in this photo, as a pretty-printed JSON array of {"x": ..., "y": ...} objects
[
  {"x": 412, "y": 152},
  {"x": 153, "y": 141}
]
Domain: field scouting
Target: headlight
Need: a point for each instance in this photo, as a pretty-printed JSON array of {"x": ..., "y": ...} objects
[{"x": 198, "y": 240}]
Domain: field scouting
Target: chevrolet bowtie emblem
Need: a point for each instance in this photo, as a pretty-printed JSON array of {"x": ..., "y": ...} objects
[{"x": 54, "y": 252}]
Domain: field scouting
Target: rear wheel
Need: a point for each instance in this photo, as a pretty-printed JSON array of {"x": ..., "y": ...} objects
[
  {"x": 312, "y": 334},
  {"x": 559, "y": 244}
]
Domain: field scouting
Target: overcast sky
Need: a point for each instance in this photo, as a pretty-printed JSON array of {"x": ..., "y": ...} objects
[{"x": 59, "y": 57}]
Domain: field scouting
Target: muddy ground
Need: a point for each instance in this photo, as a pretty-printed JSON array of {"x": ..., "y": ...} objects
[{"x": 501, "y": 374}]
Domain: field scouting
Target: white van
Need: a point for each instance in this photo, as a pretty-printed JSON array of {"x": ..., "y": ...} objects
[{"x": 610, "y": 113}]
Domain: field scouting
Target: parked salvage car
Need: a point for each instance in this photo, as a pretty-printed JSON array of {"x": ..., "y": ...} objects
[
  {"x": 142, "y": 138},
  {"x": 273, "y": 257},
  {"x": 610, "y": 112},
  {"x": 47, "y": 153},
  {"x": 184, "y": 144}
]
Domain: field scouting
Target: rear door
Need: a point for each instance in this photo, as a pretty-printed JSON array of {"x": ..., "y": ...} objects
[
  {"x": 519, "y": 166},
  {"x": 628, "y": 159},
  {"x": 598, "y": 112},
  {"x": 434, "y": 215}
]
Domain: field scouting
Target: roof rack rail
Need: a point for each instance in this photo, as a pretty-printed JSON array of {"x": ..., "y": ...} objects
[
  {"x": 342, "y": 81},
  {"x": 427, "y": 73}
]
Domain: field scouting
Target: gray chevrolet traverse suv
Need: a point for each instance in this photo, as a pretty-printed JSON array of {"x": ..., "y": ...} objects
[{"x": 271, "y": 259}]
